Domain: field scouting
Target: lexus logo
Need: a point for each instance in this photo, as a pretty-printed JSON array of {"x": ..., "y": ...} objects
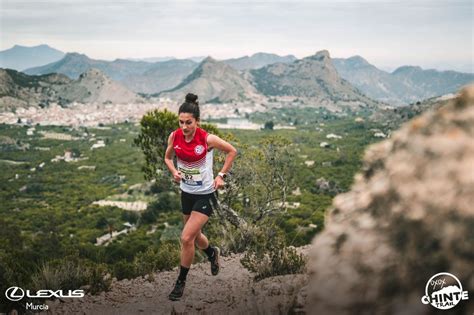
[
  {"x": 14, "y": 293},
  {"x": 17, "y": 293}
]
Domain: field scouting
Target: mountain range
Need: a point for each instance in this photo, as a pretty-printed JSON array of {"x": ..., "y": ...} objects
[
  {"x": 268, "y": 74},
  {"x": 313, "y": 77},
  {"x": 21, "y": 57},
  {"x": 407, "y": 84},
  {"x": 310, "y": 81},
  {"x": 143, "y": 76},
  {"x": 139, "y": 76}
]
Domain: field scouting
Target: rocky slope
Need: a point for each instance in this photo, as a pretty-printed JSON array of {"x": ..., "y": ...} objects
[
  {"x": 405, "y": 85},
  {"x": 214, "y": 82},
  {"x": 20, "y": 90},
  {"x": 94, "y": 86},
  {"x": 314, "y": 78},
  {"x": 408, "y": 217}
]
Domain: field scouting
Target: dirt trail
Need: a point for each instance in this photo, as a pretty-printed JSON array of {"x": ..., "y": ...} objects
[{"x": 233, "y": 291}]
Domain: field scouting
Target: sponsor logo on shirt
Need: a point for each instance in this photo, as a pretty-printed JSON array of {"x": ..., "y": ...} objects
[{"x": 199, "y": 149}]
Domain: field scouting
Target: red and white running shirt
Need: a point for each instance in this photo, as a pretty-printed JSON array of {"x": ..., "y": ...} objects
[{"x": 194, "y": 162}]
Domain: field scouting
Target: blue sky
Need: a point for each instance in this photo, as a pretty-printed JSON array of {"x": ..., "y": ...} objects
[{"x": 432, "y": 34}]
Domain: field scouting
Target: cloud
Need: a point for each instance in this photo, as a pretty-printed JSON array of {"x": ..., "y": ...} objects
[{"x": 383, "y": 31}]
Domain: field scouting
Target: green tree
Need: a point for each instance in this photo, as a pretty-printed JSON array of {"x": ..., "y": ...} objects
[
  {"x": 268, "y": 125},
  {"x": 264, "y": 175},
  {"x": 156, "y": 126}
]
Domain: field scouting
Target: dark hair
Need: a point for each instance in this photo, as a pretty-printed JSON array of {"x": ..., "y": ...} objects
[{"x": 190, "y": 105}]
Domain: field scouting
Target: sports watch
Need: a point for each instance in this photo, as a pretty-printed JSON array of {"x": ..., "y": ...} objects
[{"x": 223, "y": 175}]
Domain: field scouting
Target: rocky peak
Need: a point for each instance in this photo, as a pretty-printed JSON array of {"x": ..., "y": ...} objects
[
  {"x": 209, "y": 60},
  {"x": 213, "y": 69},
  {"x": 261, "y": 54},
  {"x": 313, "y": 77},
  {"x": 322, "y": 55},
  {"x": 357, "y": 62},
  {"x": 322, "y": 61},
  {"x": 56, "y": 78},
  {"x": 93, "y": 73},
  {"x": 207, "y": 66},
  {"x": 73, "y": 55},
  {"x": 74, "y": 58},
  {"x": 407, "y": 70},
  {"x": 213, "y": 81}
]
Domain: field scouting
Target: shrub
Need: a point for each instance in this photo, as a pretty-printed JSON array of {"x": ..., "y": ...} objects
[
  {"x": 130, "y": 216},
  {"x": 165, "y": 257},
  {"x": 71, "y": 273},
  {"x": 269, "y": 256},
  {"x": 60, "y": 275},
  {"x": 99, "y": 278},
  {"x": 165, "y": 202},
  {"x": 124, "y": 270}
]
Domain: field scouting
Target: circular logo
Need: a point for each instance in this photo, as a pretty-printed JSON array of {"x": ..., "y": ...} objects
[
  {"x": 199, "y": 149},
  {"x": 14, "y": 293},
  {"x": 443, "y": 291}
]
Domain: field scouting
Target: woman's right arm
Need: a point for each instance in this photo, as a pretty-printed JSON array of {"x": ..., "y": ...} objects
[{"x": 169, "y": 160}]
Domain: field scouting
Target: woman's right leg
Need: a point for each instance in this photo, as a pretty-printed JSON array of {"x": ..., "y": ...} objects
[
  {"x": 202, "y": 243},
  {"x": 201, "y": 240},
  {"x": 191, "y": 231}
]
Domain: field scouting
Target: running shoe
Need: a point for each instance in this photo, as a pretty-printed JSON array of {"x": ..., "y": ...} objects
[
  {"x": 215, "y": 261},
  {"x": 178, "y": 290}
]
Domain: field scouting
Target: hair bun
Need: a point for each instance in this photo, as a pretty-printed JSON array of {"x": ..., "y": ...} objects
[{"x": 191, "y": 98}]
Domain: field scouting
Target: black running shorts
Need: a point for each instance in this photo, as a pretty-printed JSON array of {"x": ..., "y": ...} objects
[{"x": 200, "y": 203}]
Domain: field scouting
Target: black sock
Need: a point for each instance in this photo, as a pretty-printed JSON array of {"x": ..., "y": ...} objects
[
  {"x": 209, "y": 251},
  {"x": 183, "y": 273}
]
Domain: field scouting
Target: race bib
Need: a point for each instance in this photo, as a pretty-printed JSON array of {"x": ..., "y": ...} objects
[{"x": 191, "y": 176}]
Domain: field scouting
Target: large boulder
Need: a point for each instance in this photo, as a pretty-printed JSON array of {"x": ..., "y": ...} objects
[{"x": 409, "y": 216}]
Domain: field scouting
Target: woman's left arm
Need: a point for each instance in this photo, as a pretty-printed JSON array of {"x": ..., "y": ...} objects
[{"x": 214, "y": 141}]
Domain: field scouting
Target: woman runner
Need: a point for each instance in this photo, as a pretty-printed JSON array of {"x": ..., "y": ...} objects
[{"x": 193, "y": 148}]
